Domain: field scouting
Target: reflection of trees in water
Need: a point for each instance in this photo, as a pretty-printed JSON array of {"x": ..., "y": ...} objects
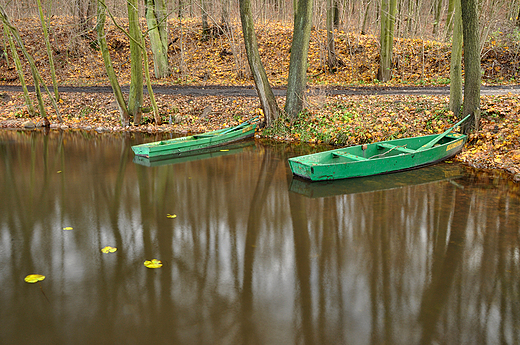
[{"x": 244, "y": 260}]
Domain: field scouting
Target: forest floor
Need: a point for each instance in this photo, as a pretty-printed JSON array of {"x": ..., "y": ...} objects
[{"x": 212, "y": 91}]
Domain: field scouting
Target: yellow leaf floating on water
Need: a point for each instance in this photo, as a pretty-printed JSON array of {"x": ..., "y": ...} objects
[
  {"x": 171, "y": 215},
  {"x": 67, "y": 228},
  {"x": 108, "y": 249},
  {"x": 34, "y": 278},
  {"x": 154, "y": 263}
]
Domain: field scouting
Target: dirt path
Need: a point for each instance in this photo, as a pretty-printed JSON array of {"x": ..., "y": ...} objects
[{"x": 249, "y": 91}]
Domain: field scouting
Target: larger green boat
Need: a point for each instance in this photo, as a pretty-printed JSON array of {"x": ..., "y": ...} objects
[
  {"x": 379, "y": 158},
  {"x": 195, "y": 143}
]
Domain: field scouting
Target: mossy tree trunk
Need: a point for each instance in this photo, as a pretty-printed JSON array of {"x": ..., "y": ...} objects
[
  {"x": 156, "y": 18},
  {"x": 472, "y": 73},
  {"x": 135, "y": 96},
  {"x": 456, "y": 61},
  {"x": 297, "y": 80},
  {"x": 109, "y": 68},
  {"x": 386, "y": 38},
  {"x": 265, "y": 93}
]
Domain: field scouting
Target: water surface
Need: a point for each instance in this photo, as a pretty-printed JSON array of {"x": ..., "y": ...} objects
[{"x": 252, "y": 256}]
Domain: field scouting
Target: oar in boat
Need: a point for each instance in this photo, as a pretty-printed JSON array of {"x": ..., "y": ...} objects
[
  {"x": 243, "y": 124},
  {"x": 440, "y": 136}
]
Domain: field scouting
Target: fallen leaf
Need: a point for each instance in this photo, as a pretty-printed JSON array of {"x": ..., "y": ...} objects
[
  {"x": 154, "y": 263},
  {"x": 108, "y": 249},
  {"x": 34, "y": 278}
]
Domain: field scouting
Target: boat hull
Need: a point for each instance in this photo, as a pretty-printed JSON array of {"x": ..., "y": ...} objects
[
  {"x": 193, "y": 143},
  {"x": 376, "y": 158}
]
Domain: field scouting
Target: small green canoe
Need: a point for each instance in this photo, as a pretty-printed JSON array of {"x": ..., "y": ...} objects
[
  {"x": 194, "y": 143},
  {"x": 379, "y": 158}
]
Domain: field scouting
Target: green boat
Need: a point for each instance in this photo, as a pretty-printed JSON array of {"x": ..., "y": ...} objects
[
  {"x": 197, "y": 142},
  {"x": 379, "y": 158}
]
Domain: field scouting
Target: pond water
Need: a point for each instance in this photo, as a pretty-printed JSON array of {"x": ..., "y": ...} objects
[{"x": 252, "y": 255}]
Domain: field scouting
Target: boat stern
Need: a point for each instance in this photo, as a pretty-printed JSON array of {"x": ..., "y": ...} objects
[{"x": 300, "y": 169}]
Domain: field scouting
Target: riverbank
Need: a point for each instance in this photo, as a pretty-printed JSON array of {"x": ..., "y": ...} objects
[{"x": 337, "y": 120}]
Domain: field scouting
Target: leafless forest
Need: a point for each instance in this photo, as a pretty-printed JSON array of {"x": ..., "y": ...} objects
[{"x": 425, "y": 19}]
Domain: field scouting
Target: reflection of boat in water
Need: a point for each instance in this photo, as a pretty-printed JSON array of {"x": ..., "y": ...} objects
[
  {"x": 199, "y": 155},
  {"x": 320, "y": 189}
]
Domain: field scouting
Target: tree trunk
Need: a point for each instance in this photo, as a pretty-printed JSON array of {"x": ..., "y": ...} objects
[
  {"x": 135, "y": 96},
  {"x": 332, "y": 60},
  {"x": 116, "y": 89},
  {"x": 224, "y": 15},
  {"x": 518, "y": 20},
  {"x": 388, "y": 11},
  {"x": 265, "y": 93},
  {"x": 155, "y": 108},
  {"x": 49, "y": 50},
  {"x": 449, "y": 18},
  {"x": 156, "y": 18},
  {"x": 437, "y": 9},
  {"x": 297, "y": 80},
  {"x": 456, "y": 61},
  {"x": 19, "y": 70},
  {"x": 205, "y": 25},
  {"x": 472, "y": 74},
  {"x": 365, "y": 19},
  {"x": 34, "y": 71}
]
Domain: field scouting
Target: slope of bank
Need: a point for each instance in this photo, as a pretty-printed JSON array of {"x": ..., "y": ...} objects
[{"x": 333, "y": 119}]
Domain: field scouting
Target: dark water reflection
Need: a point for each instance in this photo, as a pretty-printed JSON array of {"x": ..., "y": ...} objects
[{"x": 246, "y": 261}]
